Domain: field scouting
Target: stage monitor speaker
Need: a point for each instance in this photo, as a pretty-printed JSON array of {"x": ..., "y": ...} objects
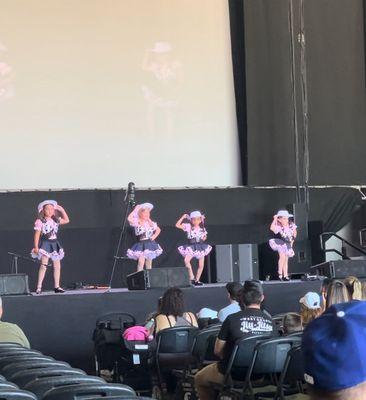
[
  {"x": 11, "y": 284},
  {"x": 236, "y": 262},
  {"x": 340, "y": 269},
  {"x": 300, "y": 214},
  {"x": 158, "y": 278}
]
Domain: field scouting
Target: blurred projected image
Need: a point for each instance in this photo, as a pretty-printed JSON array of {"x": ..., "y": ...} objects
[
  {"x": 161, "y": 89},
  {"x": 6, "y": 76}
]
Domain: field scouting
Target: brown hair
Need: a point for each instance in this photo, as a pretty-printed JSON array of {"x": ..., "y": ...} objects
[
  {"x": 292, "y": 323},
  {"x": 337, "y": 293},
  {"x": 354, "y": 287},
  {"x": 308, "y": 314}
]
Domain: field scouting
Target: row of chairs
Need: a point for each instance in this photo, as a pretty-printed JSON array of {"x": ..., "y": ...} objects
[
  {"x": 27, "y": 374},
  {"x": 184, "y": 350}
]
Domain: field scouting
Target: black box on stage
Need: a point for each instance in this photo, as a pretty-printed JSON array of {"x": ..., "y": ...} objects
[
  {"x": 340, "y": 269},
  {"x": 236, "y": 262},
  {"x": 158, "y": 278},
  {"x": 11, "y": 284}
]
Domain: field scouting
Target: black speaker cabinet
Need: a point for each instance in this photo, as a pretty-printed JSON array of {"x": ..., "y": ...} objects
[
  {"x": 341, "y": 269},
  {"x": 11, "y": 284},
  {"x": 158, "y": 278},
  {"x": 236, "y": 262}
]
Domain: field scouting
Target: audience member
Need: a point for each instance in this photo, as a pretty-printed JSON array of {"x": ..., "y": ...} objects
[
  {"x": 292, "y": 323},
  {"x": 324, "y": 290},
  {"x": 363, "y": 290},
  {"x": 354, "y": 288},
  {"x": 233, "y": 290},
  {"x": 310, "y": 307},
  {"x": 251, "y": 320},
  {"x": 150, "y": 322},
  {"x": 337, "y": 293},
  {"x": 11, "y": 333},
  {"x": 172, "y": 311},
  {"x": 334, "y": 353},
  {"x": 207, "y": 317}
]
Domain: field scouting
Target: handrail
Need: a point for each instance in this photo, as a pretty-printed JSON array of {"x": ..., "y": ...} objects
[{"x": 327, "y": 235}]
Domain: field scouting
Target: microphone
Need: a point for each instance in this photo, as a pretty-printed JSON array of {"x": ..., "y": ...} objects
[{"x": 130, "y": 193}]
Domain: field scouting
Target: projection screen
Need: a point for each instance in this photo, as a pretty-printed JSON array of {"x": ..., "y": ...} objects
[{"x": 96, "y": 93}]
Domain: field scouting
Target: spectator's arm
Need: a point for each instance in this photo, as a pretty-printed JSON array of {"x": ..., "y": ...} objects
[{"x": 219, "y": 348}]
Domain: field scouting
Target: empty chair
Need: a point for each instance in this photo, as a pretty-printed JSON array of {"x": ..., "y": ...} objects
[
  {"x": 21, "y": 378},
  {"x": 5, "y": 346},
  {"x": 7, "y": 385},
  {"x": 40, "y": 386},
  {"x": 26, "y": 365},
  {"x": 17, "y": 350},
  {"x": 72, "y": 392},
  {"x": 16, "y": 395},
  {"x": 268, "y": 358},
  {"x": 22, "y": 357},
  {"x": 292, "y": 376}
]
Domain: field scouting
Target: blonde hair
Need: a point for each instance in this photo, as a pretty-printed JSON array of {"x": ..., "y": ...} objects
[
  {"x": 354, "y": 287},
  {"x": 308, "y": 314},
  {"x": 363, "y": 284},
  {"x": 337, "y": 293}
]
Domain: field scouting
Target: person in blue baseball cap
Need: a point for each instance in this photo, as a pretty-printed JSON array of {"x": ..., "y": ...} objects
[{"x": 334, "y": 348}]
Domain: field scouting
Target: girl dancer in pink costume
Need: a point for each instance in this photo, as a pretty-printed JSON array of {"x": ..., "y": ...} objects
[
  {"x": 46, "y": 245},
  {"x": 196, "y": 248},
  {"x": 283, "y": 239},
  {"x": 146, "y": 249}
]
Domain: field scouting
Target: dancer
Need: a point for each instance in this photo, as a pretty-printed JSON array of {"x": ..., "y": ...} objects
[
  {"x": 196, "y": 234},
  {"x": 46, "y": 246},
  {"x": 285, "y": 233},
  {"x": 146, "y": 249}
]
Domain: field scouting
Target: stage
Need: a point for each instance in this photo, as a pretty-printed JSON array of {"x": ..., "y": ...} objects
[{"x": 62, "y": 325}]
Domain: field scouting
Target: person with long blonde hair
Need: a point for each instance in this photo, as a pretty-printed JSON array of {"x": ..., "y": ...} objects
[
  {"x": 354, "y": 287},
  {"x": 337, "y": 293}
]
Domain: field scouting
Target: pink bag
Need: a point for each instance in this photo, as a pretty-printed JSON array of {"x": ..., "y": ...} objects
[{"x": 139, "y": 333}]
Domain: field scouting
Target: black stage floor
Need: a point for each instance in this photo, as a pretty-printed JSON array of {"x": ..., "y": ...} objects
[{"x": 62, "y": 325}]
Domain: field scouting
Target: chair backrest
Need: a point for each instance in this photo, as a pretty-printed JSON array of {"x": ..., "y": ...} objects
[
  {"x": 40, "y": 386},
  {"x": 21, "y": 378},
  {"x": 176, "y": 340},
  {"x": 270, "y": 355},
  {"x": 16, "y": 395},
  {"x": 7, "y": 385},
  {"x": 6, "y": 346},
  {"x": 23, "y": 365},
  {"x": 174, "y": 347},
  {"x": 203, "y": 345},
  {"x": 17, "y": 351},
  {"x": 241, "y": 356},
  {"x": 293, "y": 370},
  {"x": 15, "y": 358},
  {"x": 74, "y": 392}
]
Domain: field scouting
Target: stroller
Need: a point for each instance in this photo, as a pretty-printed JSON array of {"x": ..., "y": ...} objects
[{"x": 124, "y": 361}]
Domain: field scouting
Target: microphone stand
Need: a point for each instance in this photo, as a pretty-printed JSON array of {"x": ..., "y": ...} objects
[{"x": 129, "y": 201}]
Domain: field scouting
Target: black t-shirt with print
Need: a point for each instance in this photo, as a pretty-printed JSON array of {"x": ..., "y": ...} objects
[{"x": 240, "y": 325}]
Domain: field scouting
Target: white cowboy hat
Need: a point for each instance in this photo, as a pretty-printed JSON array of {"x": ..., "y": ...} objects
[
  {"x": 284, "y": 214},
  {"x": 146, "y": 206},
  {"x": 44, "y": 203},
  {"x": 196, "y": 214}
]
